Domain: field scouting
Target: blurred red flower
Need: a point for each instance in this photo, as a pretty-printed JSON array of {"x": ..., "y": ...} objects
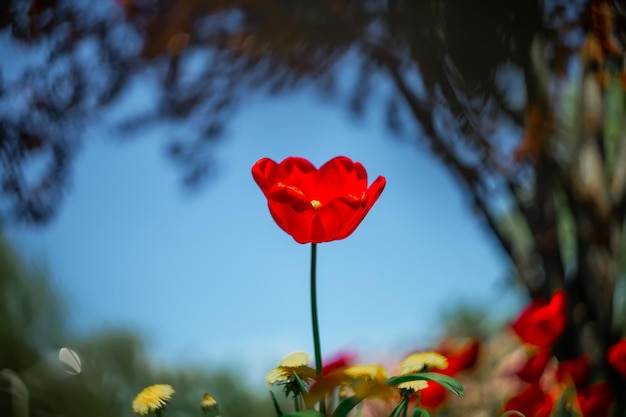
[
  {"x": 461, "y": 359},
  {"x": 532, "y": 402},
  {"x": 341, "y": 360},
  {"x": 433, "y": 395},
  {"x": 534, "y": 367},
  {"x": 317, "y": 205},
  {"x": 541, "y": 323},
  {"x": 574, "y": 371},
  {"x": 616, "y": 355},
  {"x": 596, "y": 400}
]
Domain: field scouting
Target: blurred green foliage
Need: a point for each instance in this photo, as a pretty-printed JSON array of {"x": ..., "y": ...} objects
[
  {"x": 469, "y": 320},
  {"x": 115, "y": 365}
]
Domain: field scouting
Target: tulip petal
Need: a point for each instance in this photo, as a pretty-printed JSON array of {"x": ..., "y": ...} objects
[
  {"x": 264, "y": 172},
  {"x": 532, "y": 402},
  {"x": 433, "y": 396},
  {"x": 573, "y": 371},
  {"x": 316, "y": 206},
  {"x": 267, "y": 173},
  {"x": 373, "y": 193},
  {"x": 289, "y": 195},
  {"x": 535, "y": 366},
  {"x": 339, "y": 177},
  {"x": 464, "y": 358},
  {"x": 338, "y": 215},
  {"x": 616, "y": 355},
  {"x": 298, "y": 225},
  {"x": 542, "y": 323}
]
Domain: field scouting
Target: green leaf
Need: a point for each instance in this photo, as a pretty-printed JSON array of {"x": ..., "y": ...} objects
[
  {"x": 305, "y": 413},
  {"x": 510, "y": 412},
  {"x": 445, "y": 381},
  {"x": 421, "y": 412},
  {"x": 345, "y": 406},
  {"x": 279, "y": 412},
  {"x": 399, "y": 408},
  {"x": 564, "y": 406},
  {"x": 301, "y": 386}
]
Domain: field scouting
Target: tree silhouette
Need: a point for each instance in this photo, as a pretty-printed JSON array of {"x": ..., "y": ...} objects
[{"x": 522, "y": 100}]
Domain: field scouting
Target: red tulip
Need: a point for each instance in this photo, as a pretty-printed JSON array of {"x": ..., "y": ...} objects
[
  {"x": 339, "y": 361},
  {"x": 616, "y": 355},
  {"x": 542, "y": 323},
  {"x": 532, "y": 402},
  {"x": 317, "y": 205},
  {"x": 463, "y": 358},
  {"x": 432, "y": 396},
  {"x": 533, "y": 369},
  {"x": 574, "y": 371},
  {"x": 596, "y": 400}
]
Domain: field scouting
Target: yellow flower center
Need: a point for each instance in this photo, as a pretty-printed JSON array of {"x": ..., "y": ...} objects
[{"x": 316, "y": 204}]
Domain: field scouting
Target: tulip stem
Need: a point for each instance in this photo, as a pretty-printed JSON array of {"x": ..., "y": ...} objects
[{"x": 316, "y": 330}]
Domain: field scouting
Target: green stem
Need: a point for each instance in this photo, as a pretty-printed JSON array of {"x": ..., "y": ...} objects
[
  {"x": 316, "y": 330},
  {"x": 401, "y": 407}
]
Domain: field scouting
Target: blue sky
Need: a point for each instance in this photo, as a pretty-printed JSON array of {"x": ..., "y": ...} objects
[{"x": 207, "y": 277}]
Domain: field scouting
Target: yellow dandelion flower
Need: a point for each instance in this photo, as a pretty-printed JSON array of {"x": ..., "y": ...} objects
[
  {"x": 368, "y": 372},
  {"x": 294, "y": 363},
  {"x": 152, "y": 398},
  {"x": 295, "y": 359},
  {"x": 208, "y": 402},
  {"x": 422, "y": 361},
  {"x": 209, "y": 405},
  {"x": 360, "y": 380},
  {"x": 344, "y": 392},
  {"x": 418, "y": 385},
  {"x": 369, "y": 381}
]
